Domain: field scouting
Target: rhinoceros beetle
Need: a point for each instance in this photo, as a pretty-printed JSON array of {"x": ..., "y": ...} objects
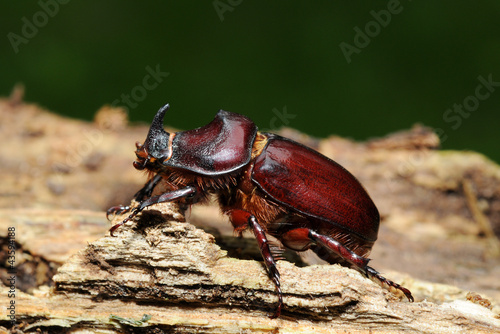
[{"x": 267, "y": 184}]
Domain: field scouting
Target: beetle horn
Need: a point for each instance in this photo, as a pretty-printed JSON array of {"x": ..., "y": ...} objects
[{"x": 156, "y": 142}]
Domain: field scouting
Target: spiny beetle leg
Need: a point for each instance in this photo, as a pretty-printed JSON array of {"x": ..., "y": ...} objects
[
  {"x": 359, "y": 262},
  {"x": 114, "y": 210},
  {"x": 148, "y": 188},
  {"x": 330, "y": 243},
  {"x": 116, "y": 226},
  {"x": 242, "y": 219},
  {"x": 384, "y": 282},
  {"x": 139, "y": 196},
  {"x": 166, "y": 197}
]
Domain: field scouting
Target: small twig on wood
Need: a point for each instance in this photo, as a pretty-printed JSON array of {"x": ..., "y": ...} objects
[{"x": 481, "y": 219}]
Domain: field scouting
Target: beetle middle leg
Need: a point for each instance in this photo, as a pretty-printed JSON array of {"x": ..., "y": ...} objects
[
  {"x": 242, "y": 220},
  {"x": 358, "y": 262}
]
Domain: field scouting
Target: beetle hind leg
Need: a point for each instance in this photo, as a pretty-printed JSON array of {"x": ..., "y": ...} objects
[
  {"x": 358, "y": 262},
  {"x": 395, "y": 288}
]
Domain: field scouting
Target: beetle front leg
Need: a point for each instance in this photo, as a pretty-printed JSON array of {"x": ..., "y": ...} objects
[
  {"x": 166, "y": 197},
  {"x": 360, "y": 263},
  {"x": 116, "y": 210},
  {"x": 139, "y": 196},
  {"x": 148, "y": 188},
  {"x": 243, "y": 219}
]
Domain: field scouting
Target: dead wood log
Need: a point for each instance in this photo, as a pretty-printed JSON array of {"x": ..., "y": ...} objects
[
  {"x": 430, "y": 202},
  {"x": 166, "y": 268}
]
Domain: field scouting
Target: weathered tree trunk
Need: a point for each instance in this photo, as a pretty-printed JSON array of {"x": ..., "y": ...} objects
[
  {"x": 176, "y": 274},
  {"x": 441, "y": 218}
]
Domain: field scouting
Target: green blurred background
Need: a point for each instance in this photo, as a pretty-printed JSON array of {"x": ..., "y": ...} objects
[{"x": 401, "y": 62}]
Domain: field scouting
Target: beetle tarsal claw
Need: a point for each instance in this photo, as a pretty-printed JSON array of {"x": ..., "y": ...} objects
[
  {"x": 393, "y": 287},
  {"x": 277, "y": 311}
]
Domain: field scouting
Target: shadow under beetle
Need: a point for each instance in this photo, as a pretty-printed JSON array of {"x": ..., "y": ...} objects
[{"x": 267, "y": 184}]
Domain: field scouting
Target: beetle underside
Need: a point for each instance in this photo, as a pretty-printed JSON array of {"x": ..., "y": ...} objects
[{"x": 267, "y": 189}]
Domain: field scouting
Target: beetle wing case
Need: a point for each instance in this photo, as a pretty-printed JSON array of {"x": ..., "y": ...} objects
[
  {"x": 220, "y": 147},
  {"x": 306, "y": 181}
]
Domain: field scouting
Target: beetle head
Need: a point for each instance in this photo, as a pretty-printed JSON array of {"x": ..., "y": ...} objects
[{"x": 156, "y": 145}]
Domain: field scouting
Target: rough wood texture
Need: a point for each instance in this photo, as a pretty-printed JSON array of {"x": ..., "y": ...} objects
[
  {"x": 441, "y": 221},
  {"x": 174, "y": 272}
]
